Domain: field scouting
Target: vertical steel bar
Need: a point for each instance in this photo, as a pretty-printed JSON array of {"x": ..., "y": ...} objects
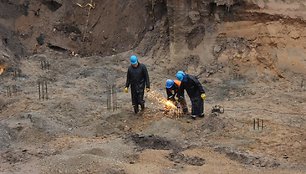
[
  {"x": 43, "y": 89},
  {"x": 108, "y": 98},
  {"x": 14, "y": 90},
  {"x": 258, "y": 123},
  {"x": 254, "y": 124},
  {"x": 46, "y": 85},
  {"x": 111, "y": 97},
  {"x": 38, "y": 82},
  {"x": 114, "y": 98}
]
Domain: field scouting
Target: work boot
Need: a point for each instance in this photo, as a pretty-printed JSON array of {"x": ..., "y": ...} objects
[
  {"x": 185, "y": 110},
  {"x": 142, "y": 107},
  {"x": 136, "y": 109},
  {"x": 202, "y": 115}
]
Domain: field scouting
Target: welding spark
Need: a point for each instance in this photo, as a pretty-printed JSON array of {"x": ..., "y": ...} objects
[
  {"x": 170, "y": 109},
  {"x": 1, "y": 69},
  {"x": 170, "y": 104},
  {"x": 160, "y": 99}
]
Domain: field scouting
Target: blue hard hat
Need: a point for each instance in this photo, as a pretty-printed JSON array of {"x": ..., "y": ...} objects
[
  {"x": 169, "y": 83},
  {"x": 180, "y": 75},
  {"x": 134, "y": 60},
  {"x": 181, "y": 72}
]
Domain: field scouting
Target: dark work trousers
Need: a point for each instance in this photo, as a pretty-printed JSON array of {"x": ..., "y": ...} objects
[
  {"x": 197, "y": 106},
  {"x": 183, "y": 105},
  {"x": 137, "y": 92}
]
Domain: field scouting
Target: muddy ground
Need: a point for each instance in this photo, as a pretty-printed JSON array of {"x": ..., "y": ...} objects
[{"x": 249, "y": 56}]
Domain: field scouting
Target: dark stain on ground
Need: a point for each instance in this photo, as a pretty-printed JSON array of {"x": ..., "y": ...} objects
[
  {"x": 247, "y": 159},
  {"x": 153, "y": 142},
  {"x": 184, "y": 159},
  {"x": 52, "y": 5}
]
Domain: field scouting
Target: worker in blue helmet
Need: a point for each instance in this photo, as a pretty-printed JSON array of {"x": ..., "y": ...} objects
[
  {"x": 138, "y": 79},
  {"x": 195, "y": 92},
  {"x": 172, "y": 87}
]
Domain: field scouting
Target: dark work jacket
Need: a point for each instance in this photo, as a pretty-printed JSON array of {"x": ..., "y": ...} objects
[
  {"x": 192, "y": 85},
  {"x": 172, "y": 92},
  {"x": 138, "y": 77}
]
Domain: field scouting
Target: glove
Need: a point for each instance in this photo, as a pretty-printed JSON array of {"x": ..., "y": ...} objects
[
  {"x": 126, "y": 90},
  {"x": 170, "y": 97},
  {"x": 148, "y": 89},
  {"x": 203, "y": 96}
]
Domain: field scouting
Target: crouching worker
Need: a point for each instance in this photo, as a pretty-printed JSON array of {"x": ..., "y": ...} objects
[
  {"x": 194, "y": 90},
  {"x": 172, "y": 87},
  {"x": 138, "y": 79}
]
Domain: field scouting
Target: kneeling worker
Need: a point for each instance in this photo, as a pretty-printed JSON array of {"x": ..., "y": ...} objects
[{"x": 172, "y": 87}]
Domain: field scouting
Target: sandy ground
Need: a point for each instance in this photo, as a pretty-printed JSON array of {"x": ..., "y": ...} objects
[{"x": 73, "y": 132}]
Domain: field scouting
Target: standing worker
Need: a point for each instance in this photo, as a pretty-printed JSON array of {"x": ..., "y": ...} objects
[
  {"x": 138, "y": 78},
  {"x": 194, "y": 90},
  {"x": 172, "y": 87}
]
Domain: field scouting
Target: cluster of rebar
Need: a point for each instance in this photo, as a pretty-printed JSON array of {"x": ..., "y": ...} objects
[
  {"x": 45, "y": 65},
  {"x": 42, "y": 89},
  {"x": 42, "y": 82},
  {"x": 258, "y": 124}
]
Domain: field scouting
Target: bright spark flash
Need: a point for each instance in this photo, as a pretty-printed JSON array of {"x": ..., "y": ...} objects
[
  {"x": 170, "y": 104},
  {"x": 161, "y": 100},
  {"x": 1, "y": 69}
]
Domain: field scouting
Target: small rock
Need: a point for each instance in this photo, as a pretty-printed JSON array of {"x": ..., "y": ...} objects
[
  {"x": 151, "y": 28},
  {"x": 217, "y": 49}
]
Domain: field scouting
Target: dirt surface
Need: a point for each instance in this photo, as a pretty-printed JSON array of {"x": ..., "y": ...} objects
[{"x": 250, "y": 56}]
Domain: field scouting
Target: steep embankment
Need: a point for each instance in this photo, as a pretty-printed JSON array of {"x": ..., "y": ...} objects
[{"x": 101, "y": 27}]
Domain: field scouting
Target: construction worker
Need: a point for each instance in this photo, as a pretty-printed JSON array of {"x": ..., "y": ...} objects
[
  {"x": 194, "y": 90},
  {"x": 138, "y": 78},
  {"x": 172, "y": 87}
]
